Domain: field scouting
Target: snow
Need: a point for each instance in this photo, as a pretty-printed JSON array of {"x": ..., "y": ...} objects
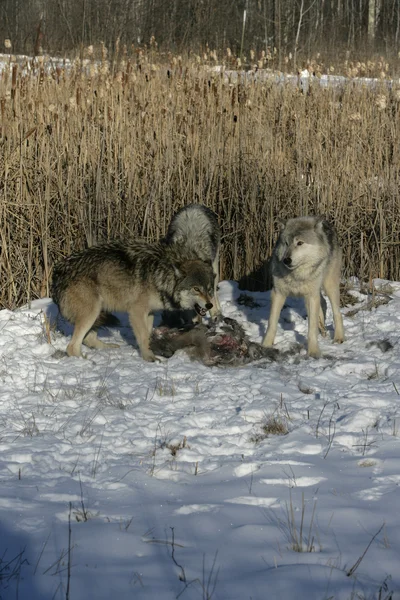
[
  {"x": 131, "y": 479},
  {"x": 29, "y": 65}
]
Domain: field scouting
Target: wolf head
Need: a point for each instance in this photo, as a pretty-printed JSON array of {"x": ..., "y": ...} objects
[
  {"x": 304, "y": 241},
  {"x": 195, "y": 287}
]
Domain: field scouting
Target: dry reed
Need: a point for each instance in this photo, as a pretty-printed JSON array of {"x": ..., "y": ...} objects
[{"x": 104, "y": 150}]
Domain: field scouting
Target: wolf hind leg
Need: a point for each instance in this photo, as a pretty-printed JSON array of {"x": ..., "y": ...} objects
[
  {"x": 83, "y": 323},
  {"x": 331, "y": 286},
  {"x": 322, "y": 316}
]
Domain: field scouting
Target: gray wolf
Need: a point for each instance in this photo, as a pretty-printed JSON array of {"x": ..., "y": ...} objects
[
  {"x": 195, "y": 227},
  {"x": 305, "y": 260},
  {"x": 133, "y": 277}
]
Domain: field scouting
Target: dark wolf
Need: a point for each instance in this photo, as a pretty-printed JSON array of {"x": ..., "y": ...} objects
[
  {"x": 133, "y": 277},
  {"x": 306, "y": 259}
]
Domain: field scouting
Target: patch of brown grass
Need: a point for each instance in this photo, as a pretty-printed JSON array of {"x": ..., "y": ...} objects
[
  {"x": 273, "y": 426},
  {"x": 175, "y": 447}
]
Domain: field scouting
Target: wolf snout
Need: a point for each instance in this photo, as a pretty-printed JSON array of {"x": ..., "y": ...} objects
[
  {"x": 209, "y": 306},
  {"x": 287, "y": 261}
]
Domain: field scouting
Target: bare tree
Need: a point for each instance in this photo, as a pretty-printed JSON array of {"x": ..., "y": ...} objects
[{"x": 282, "y": 26}]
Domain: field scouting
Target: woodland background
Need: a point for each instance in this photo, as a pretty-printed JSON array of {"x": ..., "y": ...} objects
[{"x": 306, "y": 26}]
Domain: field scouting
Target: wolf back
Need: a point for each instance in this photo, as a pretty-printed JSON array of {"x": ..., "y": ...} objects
[{"x": 197, "y": 227}]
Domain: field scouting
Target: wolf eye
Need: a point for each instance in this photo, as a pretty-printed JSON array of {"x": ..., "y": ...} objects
[
  {"x": 196, "y": 289},
  {"x": 300, "y": 243}
]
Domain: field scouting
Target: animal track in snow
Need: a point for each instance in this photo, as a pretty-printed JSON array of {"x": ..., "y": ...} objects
[{"x": 386, "y": 485}]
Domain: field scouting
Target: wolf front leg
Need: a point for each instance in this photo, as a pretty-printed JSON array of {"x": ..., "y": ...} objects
[
  {"x": 141, "y": 321},
  {"x": 277, "y": 302},
  {"x": 216, "y": 311},
  {"x": 313, "y": 305}
]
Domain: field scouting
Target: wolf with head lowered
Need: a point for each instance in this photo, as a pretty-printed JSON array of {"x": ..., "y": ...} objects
[
  {"x": 306, "y": 259},
  {"x": 134, "y": 277}
]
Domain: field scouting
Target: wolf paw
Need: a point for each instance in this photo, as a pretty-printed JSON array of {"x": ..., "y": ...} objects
[
  {"x": 314, "y": 353},
  {"x": 267, "y": 342},
  {"x": 73, "y": 350},
  {"x": 149, "y": 356}
]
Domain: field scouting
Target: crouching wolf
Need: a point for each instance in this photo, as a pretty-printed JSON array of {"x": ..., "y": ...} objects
[
  {"x": 134, "y": 277},
  {"x": 306, "y": 259},
  {"x": 196, "y": 228}
]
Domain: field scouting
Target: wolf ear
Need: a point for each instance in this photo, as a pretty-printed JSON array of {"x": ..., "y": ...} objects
[
  {"x": 319, "y": 223},
  {"x": 281, "y": 223},
  {"x": 177, "y": 271}
]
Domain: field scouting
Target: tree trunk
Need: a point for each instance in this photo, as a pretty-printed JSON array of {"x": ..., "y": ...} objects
[{"x": 371, "y": 22}]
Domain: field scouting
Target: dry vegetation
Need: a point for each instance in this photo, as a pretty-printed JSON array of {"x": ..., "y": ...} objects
[
  {"x": 273, "y": 425},
  {"x": 105, "y": 150}
]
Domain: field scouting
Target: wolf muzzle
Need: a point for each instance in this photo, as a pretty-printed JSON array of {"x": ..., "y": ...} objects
[{"x": 202, "y": 311}]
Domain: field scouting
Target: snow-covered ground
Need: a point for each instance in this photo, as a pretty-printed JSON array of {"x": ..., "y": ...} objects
[
  {"x": 125, "y": 479},
  {"x": 27, "y": 64},
  {"x": 30, "y": 65}
]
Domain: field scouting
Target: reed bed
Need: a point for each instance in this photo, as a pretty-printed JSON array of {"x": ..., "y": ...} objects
[{"x": 107, "y": 150}]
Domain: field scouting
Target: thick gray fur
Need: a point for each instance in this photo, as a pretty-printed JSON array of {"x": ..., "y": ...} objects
[
  {"x": 196, "y": 228},
  {"x": 305, "y": 260}
]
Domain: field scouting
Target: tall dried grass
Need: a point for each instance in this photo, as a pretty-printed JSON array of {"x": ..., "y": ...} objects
[{"x": 108, "y": 150}]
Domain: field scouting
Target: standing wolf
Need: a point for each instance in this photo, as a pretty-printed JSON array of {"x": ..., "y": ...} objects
[
  {"x": 306, "y": 259},
  {"x": 137, "y": 278},
  {"x": 196, "y": 228}
]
